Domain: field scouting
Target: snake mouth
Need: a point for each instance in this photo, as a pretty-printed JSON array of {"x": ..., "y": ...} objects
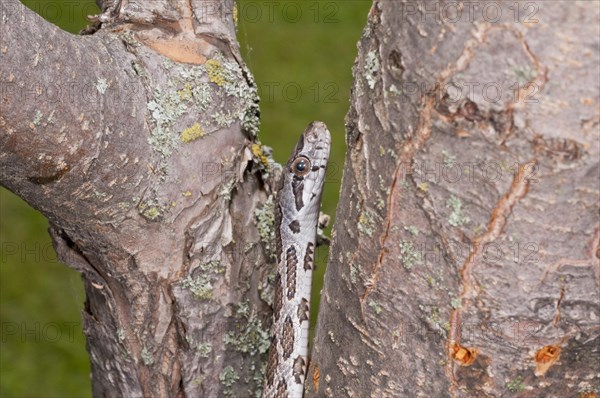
[{"x": 318, "y": 132}]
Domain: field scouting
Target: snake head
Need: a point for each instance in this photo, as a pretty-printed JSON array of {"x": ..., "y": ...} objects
[{"x": 306, "y": 168}]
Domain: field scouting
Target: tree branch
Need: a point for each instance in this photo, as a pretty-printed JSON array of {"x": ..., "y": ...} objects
[{"x": 134, "y": 142}]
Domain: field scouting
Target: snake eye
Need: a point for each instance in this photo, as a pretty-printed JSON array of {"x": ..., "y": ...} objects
[{"x": 301, "y": 166}]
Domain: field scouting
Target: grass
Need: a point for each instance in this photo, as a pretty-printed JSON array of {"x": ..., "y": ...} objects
[
  {"x": 301, "y": 55},
  {"x": 42, "y": 349},
  {"x": 302, "y": 65}
]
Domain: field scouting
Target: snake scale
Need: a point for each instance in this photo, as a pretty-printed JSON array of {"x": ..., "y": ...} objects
[{"x": 297, "y": 215}]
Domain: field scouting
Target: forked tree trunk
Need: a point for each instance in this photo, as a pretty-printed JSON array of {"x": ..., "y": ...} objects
[{"x": 465, "y": 260}]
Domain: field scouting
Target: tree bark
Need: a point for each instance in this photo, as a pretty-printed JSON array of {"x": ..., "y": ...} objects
[
  {"x": 138, "y": 143},
  {"x": 465, "y": 257}
]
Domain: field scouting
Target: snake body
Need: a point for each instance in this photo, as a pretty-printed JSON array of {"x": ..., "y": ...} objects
[{"x": 297, "y": 214}]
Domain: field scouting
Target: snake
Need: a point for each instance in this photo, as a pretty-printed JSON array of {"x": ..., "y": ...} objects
[{"x": 297, "y": 206}]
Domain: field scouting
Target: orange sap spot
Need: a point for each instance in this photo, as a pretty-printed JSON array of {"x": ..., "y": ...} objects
[
  {"x": 316, "y": 377},
  {"x": 545, "y": 358},
  {"x": 463, "y": 355}
]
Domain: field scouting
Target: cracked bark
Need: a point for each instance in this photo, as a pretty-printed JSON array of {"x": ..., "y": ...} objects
[
  {"x": 465, "y": 257},
  {"x": 107, "y": 137}
]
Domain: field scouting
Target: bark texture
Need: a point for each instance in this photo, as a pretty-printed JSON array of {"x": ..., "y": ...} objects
[
  {"x": 139, "y": 144},
  {"x": 465, "y": 257}
]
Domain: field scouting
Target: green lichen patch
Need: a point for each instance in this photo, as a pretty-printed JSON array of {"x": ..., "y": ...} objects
[
  {"x": 185, "y": 93},
  {"x": 225, "y": 74},
  {"x": 379, "y": 202},
  {"x": 258, "y": 377},
  {"x": 168, "y": 64},
  {"x": 524, "y": 73},
  {"x": 365, "y": 223},
  {"x": 128, "y": 38},
  {"x": 383, "y": 186},
  {"x": 166, "y": 107},
  {"x": 161, "y": 139},
  {"x": 456, "y": 303},
  {"x": 101, "y": 85},
  {"x": 198, "y": 381},
  {"x": 184, "y": 90},
  {"x": 238, "y": 87},
  {"x": 263, "y": 160},
  {"x": 265, "y": 222},
  {"x": 37, "y": 118},
  {"x": 202, "y": 95},
  {"x": 515, "y": 385},
  {"x": 220, "y": 89},
  {"x": 235, "y": 14},
  {"x": 228, "y": 376},
  {"x": 355, "y": 270},
  {"x": 192, "y": 133},
  {"x": 204, "y": 349},
  {"x": 456, "y": 218},
  {"x": 266, "y": 287},
  {"x": 449, "y": 159},
  {"x": 151, "y": 210},
  {"x": 376, "y": 307},
  {"x": 371, "y": 69},
  {"x": 223, "y": 119},
  {"x": 409, "y": 256},
  {"x": 250, "y": 337},
  {"x": 237, "y": 83},
  {"x": 202, "y": 285},
  {"x": 217, "y": 73},
  {"x": 227, "y": 189},
  {"x": 433, "y": 282},
  {"x": 394, "y": 90},
  {"x": 414, "y": 231},
  {"x": 152, "y": 213},
  {"x": 147, "y": 357},
  {"x": 50, "y": 119},
  {"x": 257, "y": 151}
]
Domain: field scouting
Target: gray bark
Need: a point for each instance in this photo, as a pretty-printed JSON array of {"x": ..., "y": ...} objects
[
  {"x": 465, "y": 257},
  {"x": 138, "y": 143}
]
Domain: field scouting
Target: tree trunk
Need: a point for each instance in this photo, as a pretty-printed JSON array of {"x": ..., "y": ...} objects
[
  {"x": 138, "y": 143},
  {"x": 465, "y": 258}
]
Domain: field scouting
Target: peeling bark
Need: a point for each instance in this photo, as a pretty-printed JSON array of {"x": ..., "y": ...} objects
[{"x": 465, "y": 256}]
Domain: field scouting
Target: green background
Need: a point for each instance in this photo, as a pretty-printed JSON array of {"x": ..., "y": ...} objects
[{"x": 301, "y": 54}]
